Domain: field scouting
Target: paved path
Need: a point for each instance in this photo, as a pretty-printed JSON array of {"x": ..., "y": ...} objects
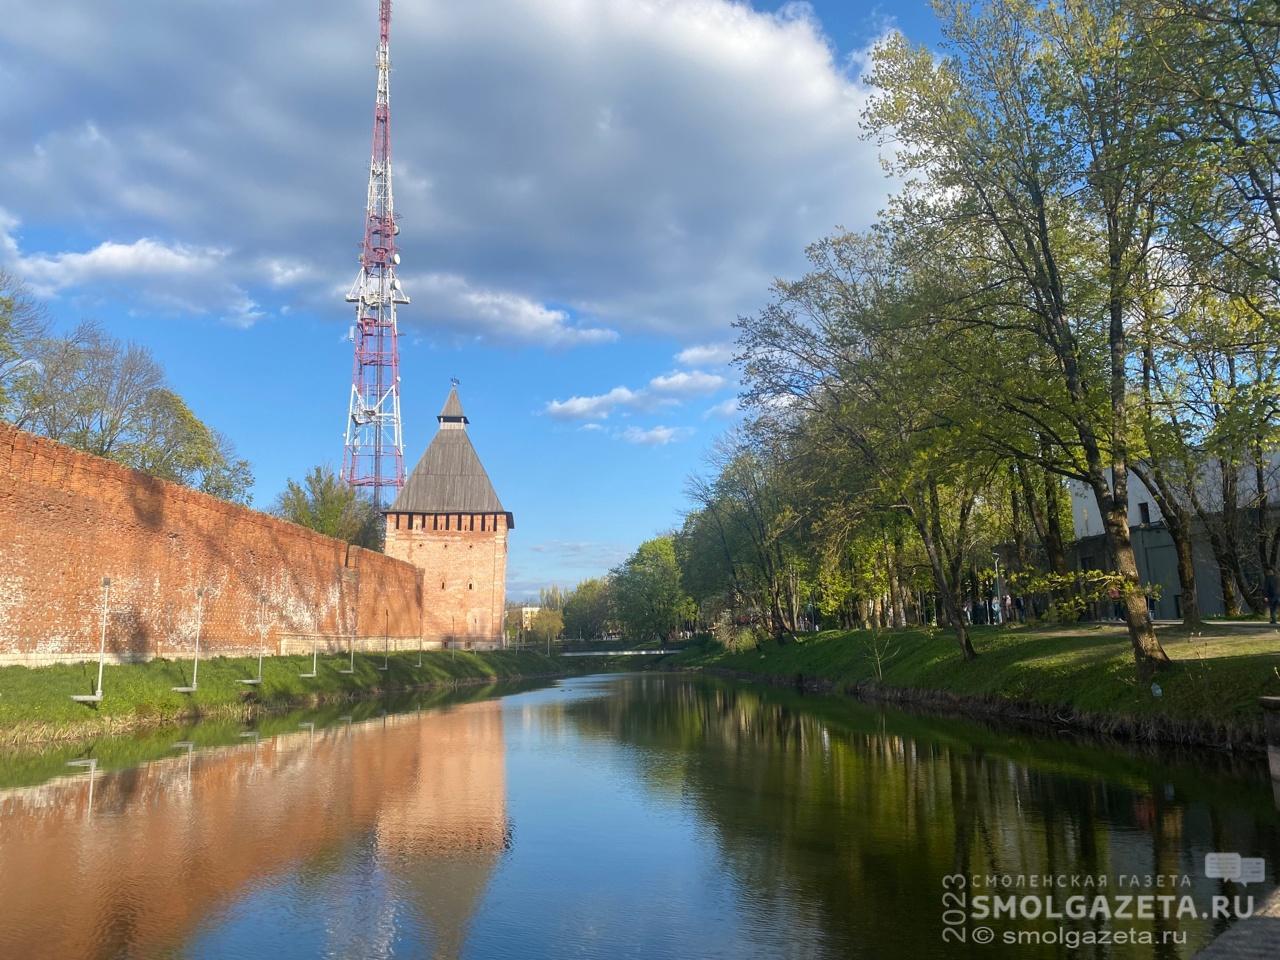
[{"x": 1255, "y": 938}]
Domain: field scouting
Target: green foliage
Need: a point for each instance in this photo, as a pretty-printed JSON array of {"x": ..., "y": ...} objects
[
  {"x": 547, "y": 625},
  {"x": 110, "y": 398},
  {"x": 649, "y": 600},
  {"x": 552, "y": 597},
  {"x": 327, "y": 504},
  {"x": 1215, "y": 680},
  {"x": 735, "y": 637},
  {"x": 587, "y": 610}
]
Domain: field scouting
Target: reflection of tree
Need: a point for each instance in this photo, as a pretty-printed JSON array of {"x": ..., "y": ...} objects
[{"x": 853, "y": 817}]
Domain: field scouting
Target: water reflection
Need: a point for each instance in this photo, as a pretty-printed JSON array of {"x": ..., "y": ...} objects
[
  {"x": 659, "y": 816},
  {"x": 858, "y": 814},
  {"x": 132, "y": 862}
]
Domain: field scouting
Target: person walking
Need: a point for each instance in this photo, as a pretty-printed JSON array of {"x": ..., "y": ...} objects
[{"x": 1273, "y": 593}]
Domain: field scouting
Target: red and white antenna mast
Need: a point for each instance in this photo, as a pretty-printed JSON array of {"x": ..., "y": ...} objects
[{"x": 374, "y": 455}]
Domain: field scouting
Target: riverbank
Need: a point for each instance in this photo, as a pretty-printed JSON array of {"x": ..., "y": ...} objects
[
  {"x": 1078, "y": 678},
  {"x": 36, "y": 704}
]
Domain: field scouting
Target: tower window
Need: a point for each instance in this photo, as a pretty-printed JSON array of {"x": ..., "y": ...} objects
[
  {"x": 471, "y": 586},
  {"x": 1144, "y": 511},
  {"x": 441, "y": 584}
]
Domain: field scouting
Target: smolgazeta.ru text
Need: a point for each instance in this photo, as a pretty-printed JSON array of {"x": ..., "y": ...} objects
[{"x": 1116, "y": 907}]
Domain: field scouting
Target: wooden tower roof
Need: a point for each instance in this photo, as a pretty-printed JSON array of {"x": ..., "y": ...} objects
[{"x": 450, "y": 477}]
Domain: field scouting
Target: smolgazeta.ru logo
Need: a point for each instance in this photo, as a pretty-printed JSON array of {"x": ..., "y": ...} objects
[{"x": 984, "y": 908}]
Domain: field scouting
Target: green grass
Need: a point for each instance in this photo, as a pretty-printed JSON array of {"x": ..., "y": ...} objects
[
  {"x": 1214, "y": 682},
  {"x": 25, "y": 764},
  {"x": 35, "y": 702}
]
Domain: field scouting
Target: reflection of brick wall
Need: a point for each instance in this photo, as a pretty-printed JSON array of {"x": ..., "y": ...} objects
[
  {"x": 464, "y": 562},
  {"x": 165, "y": 845},
  {"x": 68, "y": 519}
]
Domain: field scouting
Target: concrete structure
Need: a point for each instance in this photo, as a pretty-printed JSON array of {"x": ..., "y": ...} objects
[{"x": 449, "y": 523}]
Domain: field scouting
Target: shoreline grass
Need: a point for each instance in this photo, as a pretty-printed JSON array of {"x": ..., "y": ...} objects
[
  {"x": 1081, "y": 676},
  {"x": 36, "y": 704}
]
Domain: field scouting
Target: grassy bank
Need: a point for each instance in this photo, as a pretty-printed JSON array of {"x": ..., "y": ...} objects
[
  {"x": 36, "y": 704},
  {"x": 1082, "y": 676}
]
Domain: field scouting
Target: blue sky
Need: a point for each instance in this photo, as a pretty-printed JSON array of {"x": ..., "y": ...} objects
[{"x": 590, "y": 192}]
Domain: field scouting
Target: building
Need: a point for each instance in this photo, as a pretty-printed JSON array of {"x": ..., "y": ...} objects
[
  {"x": 1153, "y": 547},
  {"x": 449, "y": 523},
  {"x": 526, "y": 617}
]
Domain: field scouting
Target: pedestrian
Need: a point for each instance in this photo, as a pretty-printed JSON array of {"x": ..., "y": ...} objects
[{"x": 1273, "y": 592}]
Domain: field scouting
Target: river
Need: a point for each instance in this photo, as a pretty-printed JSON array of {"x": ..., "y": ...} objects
[{"x": 635, "y": 815}]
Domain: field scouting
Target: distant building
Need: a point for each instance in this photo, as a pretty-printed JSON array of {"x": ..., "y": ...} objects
[
  {"x": 1153, "y": 547},
  {"x": 449, "y": 522},
  {"x": 526, "y": 617}
]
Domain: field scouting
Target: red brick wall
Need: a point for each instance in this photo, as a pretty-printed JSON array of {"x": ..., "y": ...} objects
[
  {"x": 68, "y": 519},
  {"x": 463, "y": 558}
]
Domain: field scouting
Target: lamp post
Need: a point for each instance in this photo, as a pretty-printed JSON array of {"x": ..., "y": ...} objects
[
  {"x": 195, "y": 666},
  {"x": 999, "y": 591},
  {"x": 96, "y": 696}
]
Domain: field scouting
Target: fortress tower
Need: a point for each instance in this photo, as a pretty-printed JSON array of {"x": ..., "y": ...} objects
[{"x": 448, "y": 522}]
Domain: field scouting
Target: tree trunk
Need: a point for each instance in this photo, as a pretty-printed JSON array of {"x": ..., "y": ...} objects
[
  {"x": 1142, "y": 635},
  {"x": 926, "y": 523},
  {"x": 1190, "y": 600},
  {"x": 1178, "y": 522}
]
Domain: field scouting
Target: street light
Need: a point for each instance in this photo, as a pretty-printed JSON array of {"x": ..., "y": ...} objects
[{"x": 999, "y": 592}]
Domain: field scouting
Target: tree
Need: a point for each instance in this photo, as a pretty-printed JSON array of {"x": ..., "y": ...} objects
[
  {"x": 648, "y": 597},
  {"x": 586, "y": 610},
  {"x": 552, "y": 597},
  {"x": 845, "y": 363},
  {"x": 1038, "y": 176},
  {"x": 110, "y": 398},
  {"x": 327, "y": 504},
  {"x": 547, "y": 625},
  {"x": 22, "y": 325}
]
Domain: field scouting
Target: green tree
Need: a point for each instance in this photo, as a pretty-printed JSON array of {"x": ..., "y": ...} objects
[
  {"x": 110, "y": 398},
  {"x": 327, "y": 504},
  {"x": 586, "y": 610},
  {"x": 1036, "y": 175},
  {"x": 648, "y": 598},
  {"x": 547, "y": 626},
  {"x": 22, "y": 325}
]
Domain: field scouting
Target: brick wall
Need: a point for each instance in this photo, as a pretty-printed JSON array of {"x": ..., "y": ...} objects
[
  {"x": 68, "y": 519},
  {"x": 464, "y": 562}
]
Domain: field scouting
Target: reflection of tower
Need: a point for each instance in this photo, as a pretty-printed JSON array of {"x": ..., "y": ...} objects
[
  {"x": 445, "y": 837},
  {"x": 449, "y": 522},
  {"x": 374, "y": 452}
]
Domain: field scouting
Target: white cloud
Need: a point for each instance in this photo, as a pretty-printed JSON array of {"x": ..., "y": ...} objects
[
  {"x": 655, "y": 436},
  {"x": 706, "y": 355},
  {"x": 284, "y": 272},
  {"x": 145, "y": 258},
  {"x": 726, "y": 408},
  {"x": 666, "y": 390},
  {"x": 453, "y": 303},
  {"x": 647, "y": 164},
  {"x": 687, "y": 383},
  {"x": 170, "y": 276},
  {"x": 591, "y": 407}
]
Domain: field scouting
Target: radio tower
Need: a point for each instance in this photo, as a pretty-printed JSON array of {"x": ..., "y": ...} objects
[{"x": 374, "y": 454}]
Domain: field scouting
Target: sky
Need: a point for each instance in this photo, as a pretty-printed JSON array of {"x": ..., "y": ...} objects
[{"x": 589, "y": 191}]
